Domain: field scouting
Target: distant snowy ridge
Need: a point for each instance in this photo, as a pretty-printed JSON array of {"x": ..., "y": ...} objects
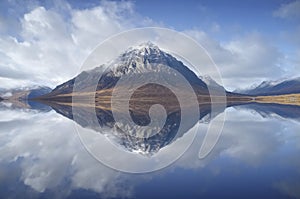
[{"x": 278, "y": 87}]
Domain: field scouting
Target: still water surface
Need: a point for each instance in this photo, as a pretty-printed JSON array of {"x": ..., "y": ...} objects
[{"x": 257, "y": 156}]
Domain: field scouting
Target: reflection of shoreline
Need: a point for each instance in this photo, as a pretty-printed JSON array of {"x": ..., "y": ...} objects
[
  {"x": 24, "y": 104},
  {"x": 16, "y": 104},
  {"x": 269, "y": 110}
]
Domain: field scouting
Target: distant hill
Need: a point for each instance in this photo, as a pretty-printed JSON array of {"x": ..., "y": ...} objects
[
  {"x": 274, "y": 88},
  {"x": 36, "y": 92}
]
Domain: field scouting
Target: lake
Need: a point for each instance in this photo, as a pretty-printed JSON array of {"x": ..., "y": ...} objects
[{"x": 42, "y": 155}]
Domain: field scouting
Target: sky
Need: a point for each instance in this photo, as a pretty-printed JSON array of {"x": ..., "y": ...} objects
[{"x": 45, "y": 43}]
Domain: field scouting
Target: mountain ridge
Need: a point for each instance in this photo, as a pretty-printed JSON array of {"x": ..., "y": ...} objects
[{"x": 279, "y": 87}]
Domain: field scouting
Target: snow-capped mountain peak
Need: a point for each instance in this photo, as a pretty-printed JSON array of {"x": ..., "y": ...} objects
[
  {"x": 143, "y": 58},
  {"x": 145, "y": 46},
  {"x": 138, "y": 59},
  {"x": 144, "y": 49}
]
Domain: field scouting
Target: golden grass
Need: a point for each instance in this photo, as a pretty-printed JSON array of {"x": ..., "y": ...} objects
[{"x": 288, "y": 99}]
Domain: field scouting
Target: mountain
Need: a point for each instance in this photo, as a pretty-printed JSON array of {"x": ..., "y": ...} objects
[
  {"x": 24, "y": 93},
  {"x": 144, "y": 58},
  {"x": 275, "y": 88}
]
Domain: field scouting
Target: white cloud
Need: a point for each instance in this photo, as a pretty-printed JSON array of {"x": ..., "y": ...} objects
[
  {"x": 247, "y": 60},
  {"x": 49, "y": 157},
  {"x": 51, "y": 45},
  {"x": 246, "y": 137},
  {"x": 253, "y": 56},
  {"x": 288, "y": 10}
]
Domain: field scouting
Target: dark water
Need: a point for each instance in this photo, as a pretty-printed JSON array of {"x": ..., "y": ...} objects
[{"x": 257, "y": 156}]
